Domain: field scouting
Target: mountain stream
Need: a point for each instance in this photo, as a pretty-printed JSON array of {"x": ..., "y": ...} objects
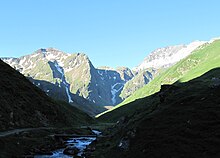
[{"x": 80, "y": 143}]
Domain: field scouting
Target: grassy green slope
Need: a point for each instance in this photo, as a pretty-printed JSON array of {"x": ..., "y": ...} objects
[
  {"x": 185, "y": 124},
  {"x": 199, "y": 62}
]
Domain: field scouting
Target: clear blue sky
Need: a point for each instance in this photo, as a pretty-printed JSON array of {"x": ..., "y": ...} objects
[{"x": 111, "y": 32}]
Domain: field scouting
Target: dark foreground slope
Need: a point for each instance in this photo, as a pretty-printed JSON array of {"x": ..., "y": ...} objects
[
  {"x": 182, "y": 120},
  {"x": 24, "y": 105}
]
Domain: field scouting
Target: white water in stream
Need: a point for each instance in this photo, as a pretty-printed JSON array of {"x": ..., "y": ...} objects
[{"x": 80, "y": 143}]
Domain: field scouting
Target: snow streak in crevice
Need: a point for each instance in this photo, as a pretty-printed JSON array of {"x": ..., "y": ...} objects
[{"x": 67, "y": 86}]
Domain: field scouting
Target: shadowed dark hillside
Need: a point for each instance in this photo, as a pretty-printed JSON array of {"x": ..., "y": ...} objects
[
  {"x": 182, "y": 120},
  {"x": 24, "y": 105}
]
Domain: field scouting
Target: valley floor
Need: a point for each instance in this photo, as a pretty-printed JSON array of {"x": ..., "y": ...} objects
[{"x": 27, "y": 142}]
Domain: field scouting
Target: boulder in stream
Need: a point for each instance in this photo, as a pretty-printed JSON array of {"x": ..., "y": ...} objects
[{"x": 70, "y": 150}]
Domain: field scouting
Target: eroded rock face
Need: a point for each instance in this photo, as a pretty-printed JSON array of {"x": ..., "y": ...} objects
[{"x": 141, "y": 78}]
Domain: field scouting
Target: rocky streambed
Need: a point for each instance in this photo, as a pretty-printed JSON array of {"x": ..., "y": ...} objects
[{"x": 75, "y": 147}]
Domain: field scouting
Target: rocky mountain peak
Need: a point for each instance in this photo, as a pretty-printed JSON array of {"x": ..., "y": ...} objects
[
  {"x": 125, "y": 73},
  {"x": 167, "y": 56},
  {"x": 72, "y": 77}
]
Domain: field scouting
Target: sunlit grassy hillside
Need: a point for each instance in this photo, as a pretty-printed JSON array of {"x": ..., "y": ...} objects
[{"x": 199, "y": 62}]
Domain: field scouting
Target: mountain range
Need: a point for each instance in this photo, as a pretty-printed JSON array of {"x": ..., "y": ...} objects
[
  {"x": 172, "y": 111},
  {"x": 74, "y": 79},
  {"x": 200, "y": 61}
]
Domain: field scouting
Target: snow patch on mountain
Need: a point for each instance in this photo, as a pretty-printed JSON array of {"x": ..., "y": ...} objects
[
  {"x": 34, "y": 55},
  {"x": 115, "y": 90},
  {"x": 164, "y": 57},
  {"x": 68, "y": 94},
  {"x": 60, "y": 70},
  {"x": 31, "y": 65},
  {"x": 213, "y": 39},
  {"x": 22, "y": 61}
]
